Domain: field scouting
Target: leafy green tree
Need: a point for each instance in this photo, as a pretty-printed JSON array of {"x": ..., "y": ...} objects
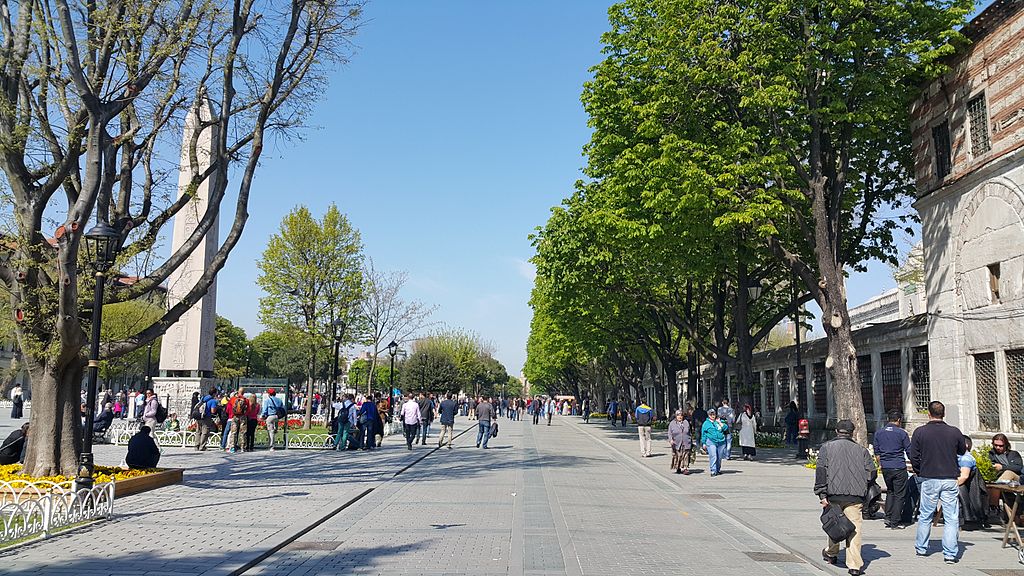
[
  {"x": 358, "y": 373},
  {"x": 121, "y": 321},
  {"x": 312, "y": 273},
  {"x": 429, "y": 370},
  {"x": 231, "y": 350}
]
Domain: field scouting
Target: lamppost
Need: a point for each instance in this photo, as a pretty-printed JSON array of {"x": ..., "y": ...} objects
[
  {"x": 338, "y": 332},
  {"x": 101, "y": 243},
  {"x": 392, "y": 350}
]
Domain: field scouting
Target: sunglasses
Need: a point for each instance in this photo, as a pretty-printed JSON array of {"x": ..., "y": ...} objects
[{"x": 999, "y": 445}]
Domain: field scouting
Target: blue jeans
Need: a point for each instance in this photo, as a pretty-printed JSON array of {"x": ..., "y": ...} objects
[
  {"x": 224, "y": 435},
  {"x": 933, "y": 491},
  {"x": 424, "y": 430},
  {"x": 483, "y": 433},
  {"x": 716, "y": 453}
]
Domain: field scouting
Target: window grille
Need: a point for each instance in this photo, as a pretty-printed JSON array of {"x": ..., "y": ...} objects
[
  {"x": 819, "y": 389},
  {"x": 784, "y": 388},
  {"x": 892, "y": 381},
  {"x": 867, "y": 393},
  {"x": 1015, "y": 379},
  {"x": 943, "y": 152},
  {"x": 986, "y": 391},
  {"x": 769, "y": 391},
  {"x": 978, "y": 113},
  {"x": 921, "y": 375},
  {"x": 755, "y": 401}
]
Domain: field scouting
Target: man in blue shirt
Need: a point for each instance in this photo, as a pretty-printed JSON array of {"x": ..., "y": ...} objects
[
  {"x": 205, "y": 423},
  {"x": 891, "y": 445}
]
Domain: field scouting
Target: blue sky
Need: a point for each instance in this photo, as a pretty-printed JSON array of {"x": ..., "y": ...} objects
[{"x": 446, "y": 140}]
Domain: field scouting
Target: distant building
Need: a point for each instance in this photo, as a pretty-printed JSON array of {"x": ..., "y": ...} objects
[{"x": 968, "y": 143}]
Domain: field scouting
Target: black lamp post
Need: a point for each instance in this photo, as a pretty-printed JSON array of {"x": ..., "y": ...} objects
[
  {"x": 392, "y": 350},
  {"x": 101, "y": 243},
  {"x": 338, "y": 331}
]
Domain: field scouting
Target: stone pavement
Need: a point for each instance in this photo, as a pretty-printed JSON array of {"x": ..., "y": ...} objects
[
  {"x": 773, "y": 495},
  {"x": 230, "y": 509},
  {"x": 542, "y": 501}
]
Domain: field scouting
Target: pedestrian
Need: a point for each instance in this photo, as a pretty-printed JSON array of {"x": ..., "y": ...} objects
[
  {"x": 681, "y": 441},
  {"x": 934, "y": 451},
  {"x": 140, "y": 402},
  {"x": 891, "y": 444},
  {"x": 239, "y": 408},
  {"x": 585, "y": 406},
  {"x": 251, "y": 419},
  {"x": 149, "y": 408},
  {"x": 447, "y": 416},
  {"x": 17, "y": 403},
  {"x": 472, "y": 408},
  {"x": 484, "y": 414},
  {"x": 203, "y": 413},
  {"x": 142, "y": 450},
  {"x": 747, "y": 424},
  {"x": 272, "y": 411},
  {"x": 411, "y": 419},
  {"x": 644, "y": 418},
  {"x": 535, "y": 408},
  {"x": 426, "y": 405},
  {"x": 368, "y": 418},
  {"x": 623, "y": 411},
  {"x": 792, "y": 420},
  {"x": 550, "y": 408},
  {"x": 344, "y": 423},
  {"x": 728, "y": 415},
  {"x": 713, "y": 432},
  {"x": 843, "y": 473},
  {"x": 224, "y": 418},
  {"x": 12, "y": 450},
  {"x": 613, "y": 411}
]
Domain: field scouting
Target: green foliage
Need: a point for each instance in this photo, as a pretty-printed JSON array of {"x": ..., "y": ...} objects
[
  {"x": 121, "y": 321},
  {"x": 358, "y": 372},
  {"x": 988, "y": 473},
  {"x": 285, "y": 355},
  {"x": 231, "y": 350},
  {"x": 429, "y": 370}
]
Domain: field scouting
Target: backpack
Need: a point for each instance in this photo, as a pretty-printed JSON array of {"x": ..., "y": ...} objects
[
  {"x": 240, "y": 406},
  {"x": 161, "y": 413},
  {"x": 279, "y": 410},
  {"x": 198, "y": 411},
  {"x": 643, "y": 418}
]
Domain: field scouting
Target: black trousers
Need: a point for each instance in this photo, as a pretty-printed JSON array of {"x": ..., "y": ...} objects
[
  {"x": 410, "y": 433},
  {"x": 896, "y": 493},
  {"x": 536, "y": 417}
]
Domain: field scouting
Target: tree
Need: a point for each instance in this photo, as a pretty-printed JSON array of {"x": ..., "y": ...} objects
[
  {"x": 120, "y": 321},
  {"x": 779, "y": 116},
  {"x": 384, "y": 316},
  {"x": 231, "y": 350},
  {"x": 312, "y": 274},
  {"x": 429, "y": 370},
  {"x": 358, "y": 372},
  {"x": 90, "y": 96}
]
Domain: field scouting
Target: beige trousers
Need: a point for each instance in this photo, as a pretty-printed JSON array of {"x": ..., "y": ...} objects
[
  {"x": 645, "y": 440},
  {"x": 446, "y": 430},
  {"x": 853, "y": 558}
]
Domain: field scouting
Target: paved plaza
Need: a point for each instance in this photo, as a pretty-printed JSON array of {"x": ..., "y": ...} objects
[{"x": 572, "y": 498}]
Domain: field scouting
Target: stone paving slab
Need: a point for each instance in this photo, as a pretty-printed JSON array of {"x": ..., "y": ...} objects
[
  {"x": 230, "y": 509},
  {"x": 774, "y": 496}
]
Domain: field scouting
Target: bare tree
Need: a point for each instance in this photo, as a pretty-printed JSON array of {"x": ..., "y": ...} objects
[
  {"x": 92, "y": 98},
  {"x": 386, "y": 317}
]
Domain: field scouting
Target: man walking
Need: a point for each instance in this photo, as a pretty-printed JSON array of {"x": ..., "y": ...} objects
[
  {"x": 550, "y": 408},
  {"x": 891, "y": 445},
  {"x": 447, "y": 417},
  {"x": 585, "y": 406},
  {"x": 484, "y": 414},
  {"x": 934, "y": 452},
  {"x": 644, "y": 417},
  {"x": 535, "y": 408},
  {"x": 844, "y": 471},
  {"x": 271, "y": 412},
  {"x": 411, "y": 418},
  {"x": 205, "y": 423},
  {"x": 426, "y": 405},
  {"x": 344, "y": 424},
  {"x": 728, "y": 415}
]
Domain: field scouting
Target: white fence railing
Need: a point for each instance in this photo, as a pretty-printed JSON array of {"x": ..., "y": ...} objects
[
  {"x": 39, "y": 509},
  {"x": 121, "y": 431}
]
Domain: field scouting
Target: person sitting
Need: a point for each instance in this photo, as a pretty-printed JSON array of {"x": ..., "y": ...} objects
[
  {"x": 172, "y": 424},
  {"x": 973, "y": 495},
  {"x": 1008, "y": 464},
  {"x": 142, "y": 450},
  {"x": 12, "y": 450},
  {"x": 105, "y": 419}
]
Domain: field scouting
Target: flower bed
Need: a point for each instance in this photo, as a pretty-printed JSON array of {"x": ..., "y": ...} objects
[{"x": 12, "y": 474}]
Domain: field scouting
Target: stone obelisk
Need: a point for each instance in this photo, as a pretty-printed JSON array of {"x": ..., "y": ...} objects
[{"x": 186, "y": 351}]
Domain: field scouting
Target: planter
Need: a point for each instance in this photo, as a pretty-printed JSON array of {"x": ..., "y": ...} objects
[{"x": 148, "y": 482}]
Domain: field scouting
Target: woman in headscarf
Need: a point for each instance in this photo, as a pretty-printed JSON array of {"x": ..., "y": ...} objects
[{"x": 748, "y": 431}]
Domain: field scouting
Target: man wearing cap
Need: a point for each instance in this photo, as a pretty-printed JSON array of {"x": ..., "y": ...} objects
[{"x": 844, "y": 471}]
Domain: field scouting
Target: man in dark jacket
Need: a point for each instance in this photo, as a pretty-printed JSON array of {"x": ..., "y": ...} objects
[
  {"x": 842, "y": 476},
  {"x": 426, "y": 416},
  {"x": 1006, "y": 462},
  {"x": 142, "y": 450},
  {"x": 447, "y": 417},
  {"x": 891, "y": 444},
  {"x": 934, "y": 452},
  {"x": 12, "y": 450}
]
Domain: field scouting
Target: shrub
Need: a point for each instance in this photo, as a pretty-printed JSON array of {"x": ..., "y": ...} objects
[
  {"x": 660, "y": 425},
  {"x": 988, "y": 473}
]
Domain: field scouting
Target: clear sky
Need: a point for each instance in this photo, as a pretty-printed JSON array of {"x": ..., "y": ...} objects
[{"x": 446, "y": 140}]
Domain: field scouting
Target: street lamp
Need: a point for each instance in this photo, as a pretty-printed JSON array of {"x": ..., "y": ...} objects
[
  {"x": 392, "y": 350},
  {"x": 338, "y": 332},
  {"x": 101, "y": 244}
]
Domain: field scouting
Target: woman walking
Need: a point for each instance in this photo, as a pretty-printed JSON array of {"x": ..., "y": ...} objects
[
  {"x": 679, "y": 437},
  {"x": 713, "y": 432},
  {"x": 748, "y": 431},
  {"x": 17, "y": 403},
  {"x": 792, "y": 424}
]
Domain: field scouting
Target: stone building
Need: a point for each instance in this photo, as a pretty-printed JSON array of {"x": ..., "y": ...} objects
[{"x": 968, "y": 144}]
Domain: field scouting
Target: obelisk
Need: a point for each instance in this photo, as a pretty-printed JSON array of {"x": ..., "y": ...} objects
[{"x": 186, "y": 351}]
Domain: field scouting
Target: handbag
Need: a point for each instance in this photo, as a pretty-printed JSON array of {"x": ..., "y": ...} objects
[
  {"x": 836, "y": 524},
  {"x": 494, "y": 429}
]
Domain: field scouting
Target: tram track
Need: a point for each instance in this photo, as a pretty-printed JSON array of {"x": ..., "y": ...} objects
[{"x": 266, "y": 555}]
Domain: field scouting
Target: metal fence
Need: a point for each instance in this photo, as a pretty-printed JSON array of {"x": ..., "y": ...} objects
[{"x": 30, "y": 510}]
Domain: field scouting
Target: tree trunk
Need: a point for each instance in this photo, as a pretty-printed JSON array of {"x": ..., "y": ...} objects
[
  {"x": 692, "y": 377},
  {"x": 308, "y": 424},
  {"x": 55, "y": 435},
  {"x": 843, "y": 357},
  {"x": 672, "y": 382}
]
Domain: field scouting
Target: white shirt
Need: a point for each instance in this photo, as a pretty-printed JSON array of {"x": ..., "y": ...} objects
[{"x": 411, "y": 412}]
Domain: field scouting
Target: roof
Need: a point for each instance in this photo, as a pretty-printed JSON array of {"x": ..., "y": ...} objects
[
  {"x": 819, "y": 346},
  {"x": 990, "y": 18}
]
